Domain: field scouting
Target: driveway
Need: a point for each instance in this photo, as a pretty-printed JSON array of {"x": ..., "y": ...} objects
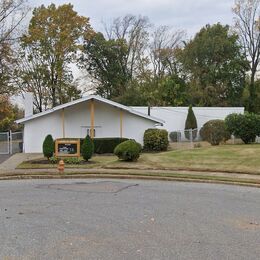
[
  {"x": 4, "y": 157},
  {"x": 120, "y": 219}
]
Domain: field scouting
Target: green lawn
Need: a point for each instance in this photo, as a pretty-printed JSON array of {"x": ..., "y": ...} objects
[{"x": 233, "y": 158}]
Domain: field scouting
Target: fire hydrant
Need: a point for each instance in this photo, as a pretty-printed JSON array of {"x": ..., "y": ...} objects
[{"x": 61, "y": 166}]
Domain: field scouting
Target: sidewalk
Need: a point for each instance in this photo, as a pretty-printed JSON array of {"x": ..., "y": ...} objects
[
  {"x": 11, "y": 163},
  {"x": 8, "y": 171}
]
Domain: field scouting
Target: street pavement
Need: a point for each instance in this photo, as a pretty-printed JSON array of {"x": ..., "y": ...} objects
[{"x": 127, "y": 219}]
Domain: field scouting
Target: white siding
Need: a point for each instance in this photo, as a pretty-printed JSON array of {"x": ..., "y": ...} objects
[
  {"x": 175, "y": 117},
  {"x": 77, "y": 117}
]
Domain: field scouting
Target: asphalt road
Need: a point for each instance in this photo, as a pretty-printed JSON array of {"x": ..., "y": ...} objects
[{"x": 120, "y": 219}]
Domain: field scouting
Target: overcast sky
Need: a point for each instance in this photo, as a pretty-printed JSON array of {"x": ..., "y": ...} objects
[{"x": 189, "y": 15}]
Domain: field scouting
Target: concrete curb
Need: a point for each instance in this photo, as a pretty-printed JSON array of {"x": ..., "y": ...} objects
[{"x": 118, "y": 176}]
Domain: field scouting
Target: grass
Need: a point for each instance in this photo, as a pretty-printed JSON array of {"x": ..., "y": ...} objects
[{"x": 226, "y": 158}]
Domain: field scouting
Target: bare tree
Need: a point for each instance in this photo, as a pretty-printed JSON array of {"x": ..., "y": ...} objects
[
  {"x": 163, "y": 47},
  {"x": 12, "y": 13},
  {"x": 247, "y": 23},
  {"x": 134, "y": 31}
]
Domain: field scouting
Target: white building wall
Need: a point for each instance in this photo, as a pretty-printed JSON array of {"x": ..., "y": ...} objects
[
  {"x": 77, "y": 120},
  {"x": 36, "y": 130},
  {"x": 175, "y": 117}
]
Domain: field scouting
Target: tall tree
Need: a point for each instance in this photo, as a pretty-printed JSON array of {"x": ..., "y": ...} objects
[
  {"x": 53, "y": 41},
  {"x": 12, "y": 13},
  {"x": 216, "y": 66},
  {"x": 247, "y": 23},
  {"x": 104, "y": 60}
]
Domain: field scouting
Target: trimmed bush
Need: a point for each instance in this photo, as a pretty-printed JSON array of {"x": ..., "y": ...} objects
[
  {"x": 246, "y": 127},
  {"x": 214, "y": 132},
  {"x": 48, "y": 147},
  {"x": 87, "y": 148},
  {"x": 156, "y": 140},
  {"x": 175, "y": 136},
  {"x": 191, "y": 123},
  {"x": 128, "y": 151},
  {"x": 105, "y": 145}
]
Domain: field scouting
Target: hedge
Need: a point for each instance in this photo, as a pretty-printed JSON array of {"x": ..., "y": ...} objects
[{"x": 105, "y": 145}]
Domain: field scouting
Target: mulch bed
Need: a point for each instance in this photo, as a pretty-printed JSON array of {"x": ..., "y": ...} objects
[{"x": 45, "y": 161}]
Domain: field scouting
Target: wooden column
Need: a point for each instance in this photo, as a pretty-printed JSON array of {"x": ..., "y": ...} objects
[
  {"x": 92, "y": 118},
  {"x": 63, "y": 122},
  {"x": 121, "y": 123}
]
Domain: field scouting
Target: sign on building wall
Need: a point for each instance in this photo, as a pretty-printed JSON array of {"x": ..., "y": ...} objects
[{"x": 67, "y": 148}]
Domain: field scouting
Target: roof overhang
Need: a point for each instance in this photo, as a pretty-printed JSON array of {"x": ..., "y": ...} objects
[{"x": 85, "y": 99}]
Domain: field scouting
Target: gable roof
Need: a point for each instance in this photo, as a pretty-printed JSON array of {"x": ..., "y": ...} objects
[{"x": 87, "y": 98}]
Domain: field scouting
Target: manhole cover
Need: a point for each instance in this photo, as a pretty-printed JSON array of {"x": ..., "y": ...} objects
[{"x": 103, "y": 186}]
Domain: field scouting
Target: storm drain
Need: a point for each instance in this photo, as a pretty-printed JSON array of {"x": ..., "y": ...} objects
[{"x": 100, "y": 187}]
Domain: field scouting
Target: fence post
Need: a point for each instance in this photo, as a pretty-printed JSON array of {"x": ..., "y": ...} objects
[
  {"x": 10, "y": 142},
  {"x": 191, "y": 141}
]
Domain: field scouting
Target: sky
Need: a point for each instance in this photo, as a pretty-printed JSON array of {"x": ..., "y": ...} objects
[{"x": 188, "y": 15}]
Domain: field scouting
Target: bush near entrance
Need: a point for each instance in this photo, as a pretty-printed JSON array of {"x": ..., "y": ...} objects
[
  {"x": 156, "y": 140},
  {"x": 105, "y": 145},
  {"x": 87, "y": 149},
  {"x": 246, "y": 127},
  {"x": 214, "y": 132},
  {"x": 128, "y": 151},
  {"x": 48, "y": 147}
]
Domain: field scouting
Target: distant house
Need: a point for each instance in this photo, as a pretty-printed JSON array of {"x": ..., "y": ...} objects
[{"x": 98, "y": 117}]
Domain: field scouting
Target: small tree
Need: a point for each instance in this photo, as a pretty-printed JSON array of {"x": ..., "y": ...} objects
[
  {"x": 191, "y": 123},
  {"x": 48, "y": 147},
  {"x": 214, "y": 132},
  {"x": 87, "y": 148},
  {"x": 245, "y": 126}
]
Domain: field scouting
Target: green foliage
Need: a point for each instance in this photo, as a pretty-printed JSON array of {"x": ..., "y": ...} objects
[
  {"x": 175, "y": 136},
  {"x": 104, "y": 60},
  {"x": 191, "y": 123},
  {"x": 246, "y": 126},
  {"x": 67, "y": 160},
  {"x": 87, "y": 149},
  {"x": 105, "y": 145},
  {"x": 49, "y": 46},
  {"x": 128, "y": 150},
  {"x": 214, "y": 132},
  {"x": 48, "y": 147},
  {"x": 156, "y": 140},
  {"x": 217, "y": 65}
]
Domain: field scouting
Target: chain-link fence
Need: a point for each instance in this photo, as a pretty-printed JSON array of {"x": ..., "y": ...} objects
[
  {"x": 16, "y": 142},
  {"x": 11, "y": 142},
  {"x": 185, "y": 138},
  {"x": 4, "y": 143}
]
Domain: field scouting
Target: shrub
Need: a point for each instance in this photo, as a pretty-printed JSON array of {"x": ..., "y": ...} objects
[
  {"x": 128, "y": 151},
  {"x": 175, "y": 136},
  {"x": 105, "y": 145},
  {"x": 48, "y": 147},
  {"x": 191, "y": 123},
  {"x": 87, "y": 148},
  {"x": 68, "y": 160},
  {"x": 156, "y": 140},
  {"x": 214, "y": 132},
  {"x": 246, "y": 126}
]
